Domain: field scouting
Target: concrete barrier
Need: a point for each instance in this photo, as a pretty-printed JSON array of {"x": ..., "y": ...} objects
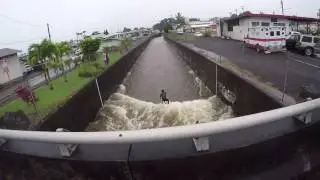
[
  {"x": 245, "y": 95},
  {"x": 82, "y": 108}
]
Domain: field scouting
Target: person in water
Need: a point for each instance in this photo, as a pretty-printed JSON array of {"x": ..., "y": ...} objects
[{"x": 163, "y": 97}]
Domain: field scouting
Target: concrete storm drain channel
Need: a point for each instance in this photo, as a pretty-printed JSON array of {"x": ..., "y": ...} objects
[
  {"x": 125, "y": 111},
  {"x": 213, "y": 111}
]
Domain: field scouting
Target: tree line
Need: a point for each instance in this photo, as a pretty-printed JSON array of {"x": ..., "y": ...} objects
[
  {"x": 48, "y": 55},
  {"x": 167, "y": 24}
]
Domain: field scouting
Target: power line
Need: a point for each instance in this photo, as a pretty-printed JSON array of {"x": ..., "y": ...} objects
[
  {"x": 20, "y": 42},
  {"x": 19, "y": 21}
]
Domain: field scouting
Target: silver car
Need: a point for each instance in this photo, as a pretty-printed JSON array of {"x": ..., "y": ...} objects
[
  {"x": 307, "y": 43},
  {"x": 317, "y": 48}
]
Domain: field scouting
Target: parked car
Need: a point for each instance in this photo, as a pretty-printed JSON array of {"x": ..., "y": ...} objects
[
  {"x": 292, "y": 41},
  {"x": 78, "y": 52},
  {"x": 27, "y": 69},
  {"x": 317, "y": 48},
  {"x": 292, "y": 33},
  {"x": 304, "y": 43},
  {"x": 180, "y": 31},
  {"x": 198, "y": 34}
]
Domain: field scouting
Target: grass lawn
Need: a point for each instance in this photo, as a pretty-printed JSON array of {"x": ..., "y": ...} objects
[{"x": 49, "y": 100}]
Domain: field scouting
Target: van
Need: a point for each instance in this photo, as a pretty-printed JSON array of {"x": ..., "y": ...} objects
[
  {"x": 303, "y": 43},
  {"x": 266, "y": 39}
]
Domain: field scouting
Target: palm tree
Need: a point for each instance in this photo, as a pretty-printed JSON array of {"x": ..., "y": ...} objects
[
  {"x": 48, "y": 51},
  {"x": 68, "y": 63},
  {"x": 62, "y": 49},
  {"x": 42, "y": 54},
  {"x": 56, "y": 66},
  {"x": 35, "y": 58},
  {"x": 125, "y": 44}
]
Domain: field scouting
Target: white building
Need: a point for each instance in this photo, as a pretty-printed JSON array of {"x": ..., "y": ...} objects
[
  {"x": 201, "y": 26},
  {"x": 10, "y": 67},
  {"x": 134, "y": 34},
  {"x": 237, "y": 27}
]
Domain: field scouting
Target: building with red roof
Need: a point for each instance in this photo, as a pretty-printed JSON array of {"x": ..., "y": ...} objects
[{"x": 237, "y": 26}]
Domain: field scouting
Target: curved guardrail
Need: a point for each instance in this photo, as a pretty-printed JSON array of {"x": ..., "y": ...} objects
[
  {"x": 220, "y": 135},
  {"x": 163, "y": 134}
]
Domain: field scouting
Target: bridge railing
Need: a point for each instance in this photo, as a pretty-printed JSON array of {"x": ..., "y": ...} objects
[{"x": 165, "y": 142}]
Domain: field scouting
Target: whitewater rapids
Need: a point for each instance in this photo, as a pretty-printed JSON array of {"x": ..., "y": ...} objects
[{"x": 122, "y": 112}]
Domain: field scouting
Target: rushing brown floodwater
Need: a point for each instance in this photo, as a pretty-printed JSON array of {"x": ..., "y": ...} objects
[{"x": 137, "y": 104}]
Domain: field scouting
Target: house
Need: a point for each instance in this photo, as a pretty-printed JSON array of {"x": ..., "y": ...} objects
[
  {"x": 197, "y": 25},
  {"x": 236, "y": 27},
  {"x": 10, "y": 67},
  {"x": 98, "y": 36},
  {"x": 109, "y": 43}
]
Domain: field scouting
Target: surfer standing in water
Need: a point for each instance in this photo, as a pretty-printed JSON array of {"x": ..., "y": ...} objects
[{"x": 163, "y": 97}]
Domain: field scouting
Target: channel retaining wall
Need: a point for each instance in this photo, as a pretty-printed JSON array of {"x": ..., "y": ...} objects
[{"x": 240, "y": 92}]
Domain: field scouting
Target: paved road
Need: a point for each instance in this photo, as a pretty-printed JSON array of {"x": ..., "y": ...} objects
[
  {"x": 158, "y": 68},
  {"x": 8, "y": 93},
  {"x": 271, "y": 67}
]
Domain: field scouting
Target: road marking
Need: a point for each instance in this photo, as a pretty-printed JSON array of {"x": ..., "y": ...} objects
[{"x": 305, "y": 63}]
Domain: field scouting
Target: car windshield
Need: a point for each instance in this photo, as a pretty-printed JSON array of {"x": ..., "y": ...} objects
[{"x": 293, "y": 37}]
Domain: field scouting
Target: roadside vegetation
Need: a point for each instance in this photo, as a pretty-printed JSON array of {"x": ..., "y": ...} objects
[
  {"x": 50, "y": 100},
  {"x": 54, "y": 93}
]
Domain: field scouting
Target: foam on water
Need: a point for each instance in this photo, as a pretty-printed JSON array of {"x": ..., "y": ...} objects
[{"x": 122, "y": 112}]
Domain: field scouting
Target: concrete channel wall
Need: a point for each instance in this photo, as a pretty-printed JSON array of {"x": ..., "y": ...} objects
[
  {"x": 82, "y": 108},
  {"x": 244, "y": 96}
]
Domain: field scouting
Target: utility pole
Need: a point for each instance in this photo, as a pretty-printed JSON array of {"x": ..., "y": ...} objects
[
  {"x": 49, "y": 32},
  {"x": 318, "y": 15},
  {"x": 282, "y": 7}
]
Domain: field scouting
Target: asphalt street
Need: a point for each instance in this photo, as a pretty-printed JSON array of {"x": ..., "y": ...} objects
[{"x": 301, "y": 70}]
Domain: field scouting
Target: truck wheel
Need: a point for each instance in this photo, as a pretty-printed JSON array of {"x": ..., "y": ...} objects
[
  {"x": 258, "y": 48},
  {"x": 308, "y": 51}
]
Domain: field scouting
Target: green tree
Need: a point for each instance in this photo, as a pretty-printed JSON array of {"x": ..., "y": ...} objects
[
  {"x": 56, "y": 66},
  {"x": 180, "y": 19},
  {"x": 68, "y": 63},
  {"x": 106, "y": 32},
  {"x": 41, "y": 54},
  {"x": 89, "y": 48},
  {"x": 125, "y": 44},
  {"x": 62, "y": 49},
  {"x": 165, "y": 23},
  {"x": 167, "y": 28},
  {"x": 125, "y": 29}
]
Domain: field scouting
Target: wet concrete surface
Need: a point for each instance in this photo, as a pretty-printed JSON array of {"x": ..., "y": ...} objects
[
  {"x": 158, "y": 68},
  {"x": 302, "y": 70}
]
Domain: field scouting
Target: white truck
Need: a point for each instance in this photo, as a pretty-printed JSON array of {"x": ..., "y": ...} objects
[{"x": 266, "y": 39}]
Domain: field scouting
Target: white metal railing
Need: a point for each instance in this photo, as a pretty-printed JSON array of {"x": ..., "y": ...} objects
[{"x": 162, "y": 134}]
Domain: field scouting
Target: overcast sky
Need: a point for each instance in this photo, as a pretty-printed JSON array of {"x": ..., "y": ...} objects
[{"x": 24, "y": 21}]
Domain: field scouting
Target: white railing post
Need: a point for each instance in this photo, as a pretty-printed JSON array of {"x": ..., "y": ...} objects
[
  {"x": 2, "y": 142},
  {"x": 216, "y": 79},
  {"x": 99, "y": 93},
  {"x": 66, "y": 150}
]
